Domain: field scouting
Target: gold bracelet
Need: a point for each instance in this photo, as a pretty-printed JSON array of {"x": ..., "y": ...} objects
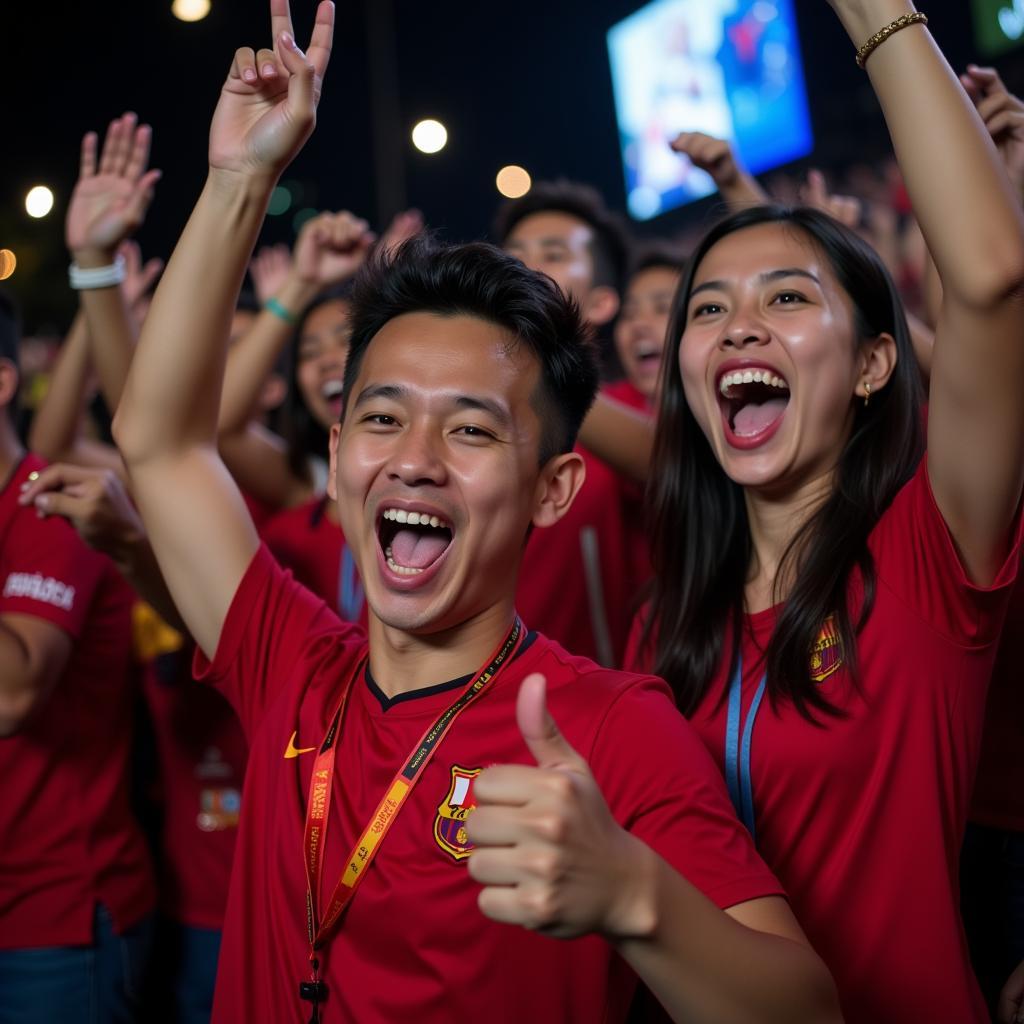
[{"x": 893, "y": 27}]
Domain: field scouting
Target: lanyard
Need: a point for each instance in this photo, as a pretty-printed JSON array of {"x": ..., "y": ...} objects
[
  {"x": 318, "y": 806},
  {"x": 350, "y": 590},
  {"x": 737, "y": 747}
]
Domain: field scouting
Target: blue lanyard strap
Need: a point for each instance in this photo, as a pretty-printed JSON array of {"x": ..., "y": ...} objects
[
  {"x": 737, "y": 747},
  {"x": 350, "y": 589}
]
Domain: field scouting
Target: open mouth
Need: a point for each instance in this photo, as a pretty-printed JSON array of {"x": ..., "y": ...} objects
[
  {"x": 753, "y": 402},
  {"x": 648, "y": 355},
  {"x": 412, "y": 542},
  {"x": 331, "y": 392}
]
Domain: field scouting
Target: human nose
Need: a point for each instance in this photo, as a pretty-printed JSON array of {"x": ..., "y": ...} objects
[
  {"x": 416, "y": 458},
  {"x": 742, "y": 329}
]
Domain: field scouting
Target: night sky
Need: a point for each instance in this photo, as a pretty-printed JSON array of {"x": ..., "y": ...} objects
[{"x": 524, "y": 82}]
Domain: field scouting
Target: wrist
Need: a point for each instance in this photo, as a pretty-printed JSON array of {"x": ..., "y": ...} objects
[
  {"x": 89, "y": 258},
  {"x": 296, "y": 293},
  {"x": 232, "y": 185},
  {"x": 863, "y": 18},
  {"x": 633, "y": 911}
]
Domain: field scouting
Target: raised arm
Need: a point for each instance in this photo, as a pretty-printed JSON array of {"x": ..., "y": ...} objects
[
  {"x": 166, "y": 424},
  {"x": 972, "y": 224},
  {"x": 108, "y": 204},
  {"x": 736, "y": 186},
  {"x": 330, "y": 249}
]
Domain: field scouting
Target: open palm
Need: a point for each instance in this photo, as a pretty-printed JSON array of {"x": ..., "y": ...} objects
[
  {"x": 109, "y": 201},
  {"x": 267, "y": 107}
]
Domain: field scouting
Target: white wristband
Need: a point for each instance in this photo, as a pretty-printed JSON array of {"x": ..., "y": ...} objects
[{"x": 82, "y": 278}]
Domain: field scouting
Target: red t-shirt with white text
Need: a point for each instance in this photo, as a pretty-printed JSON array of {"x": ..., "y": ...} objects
[
  {"x": 862, "y": 818},
  {"x": 414, "y": 945},
  {"x": 68, "y": 839}
]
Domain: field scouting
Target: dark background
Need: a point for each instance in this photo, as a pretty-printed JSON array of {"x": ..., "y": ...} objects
[{"x": 524, "y": 82}]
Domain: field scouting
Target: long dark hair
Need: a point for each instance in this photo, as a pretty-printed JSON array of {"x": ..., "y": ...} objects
[{"x": 701, "y": 542}]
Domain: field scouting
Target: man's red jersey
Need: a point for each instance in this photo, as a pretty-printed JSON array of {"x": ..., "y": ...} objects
[
  {"x": 414, "y": 945},
  {"x": 862, "y": 816},
  {"x": 68, "y": 840}
]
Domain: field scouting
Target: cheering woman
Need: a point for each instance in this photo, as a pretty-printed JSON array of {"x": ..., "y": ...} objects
[{"x": 829, "y": 595}]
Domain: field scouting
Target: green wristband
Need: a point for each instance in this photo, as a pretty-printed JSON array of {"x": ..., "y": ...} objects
[{"x": 277, "y": 309}]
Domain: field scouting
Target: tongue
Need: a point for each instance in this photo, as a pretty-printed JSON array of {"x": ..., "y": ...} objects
[
  {"x": 417, "y": 549},
  {"x": 754, "y": 417}
]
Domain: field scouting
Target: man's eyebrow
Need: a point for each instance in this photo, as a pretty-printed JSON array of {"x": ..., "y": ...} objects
[
  {"x": 389, "y": 392},
  {"x": 478, "y": 402},
  {"x": 768, "y": 275}
]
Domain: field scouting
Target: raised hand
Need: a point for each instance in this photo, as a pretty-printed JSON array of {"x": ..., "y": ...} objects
[
  {"x": 1003, "y": 114},
  {"x": 110, "y": 200},
  {"x": 845, "y": 209},
  {"x": 1011, "y": 1000},
  {"x": 268, "y": 104},
  {"x": 403, "y": 226},
  {"x": 330, "y": 248},
  {"x": 549, "y": 853},
  {"x": 716, "y": 157},
  {"x": 269, "y": 270},
  {"x": 138, "y": 276},
  {"x": 94, "y": 500}
]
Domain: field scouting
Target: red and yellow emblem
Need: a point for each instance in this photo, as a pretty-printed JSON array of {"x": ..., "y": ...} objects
[
  {"x": 452, "y": 812},
  {"x": 827, "y": 652}
]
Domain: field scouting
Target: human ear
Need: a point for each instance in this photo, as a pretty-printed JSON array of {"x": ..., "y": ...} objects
[
  {"x": 332, "y": 475},
  {"x": 878, "y": 358},
  {"x": 559, "y": 483},
  {"x": 601, "y": 305}
]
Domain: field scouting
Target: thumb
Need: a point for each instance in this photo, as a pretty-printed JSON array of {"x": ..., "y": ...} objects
[{"x": 543, "y": 739}]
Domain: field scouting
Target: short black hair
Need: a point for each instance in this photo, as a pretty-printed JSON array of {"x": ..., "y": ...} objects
[
  {"x": 609, "y": 249},
  {"x": 479, "y": 280},
  {"x": 10, "y": 339}
]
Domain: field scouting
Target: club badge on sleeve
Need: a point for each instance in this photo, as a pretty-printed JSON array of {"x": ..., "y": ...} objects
[
  {"x": 827, "y": 652},
  {"x": 452, "y": 812}
]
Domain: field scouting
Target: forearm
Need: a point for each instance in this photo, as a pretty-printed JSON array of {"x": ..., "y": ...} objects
[
  {"x": 707, "y": 968},
  {"x": 138, "y": 565},
  {"x": 969, "y": 216},
  {"x": 172, "y": 395},
  {"x": 622, "y": 437},
  {"x": 255, "y": 354},
  {"x": 55, "y": 426},
  {"x": 21, "y": 688},
  {"x": 743, "y": 191},
  {"x": 111, "y": 333}
]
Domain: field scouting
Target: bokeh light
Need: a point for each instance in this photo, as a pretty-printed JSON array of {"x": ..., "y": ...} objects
[
  {"x": 280, "y": 201},
  {"x": 7, "y": 264},
  {"x": 190, "y": 10},
  {"x": 429, "y": 136},
  {"x": 513, "y": 181},
  {"x": 39, "y": 201}
]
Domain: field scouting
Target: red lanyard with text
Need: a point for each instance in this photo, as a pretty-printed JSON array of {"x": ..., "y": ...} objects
[{"x": 318, "y": 807}]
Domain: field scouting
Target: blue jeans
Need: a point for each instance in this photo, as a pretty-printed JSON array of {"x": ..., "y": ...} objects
[
  {"x": 184, "y": 971},
  {"x": 992, "y": 904},
  {"x": 97, "y": 984}
]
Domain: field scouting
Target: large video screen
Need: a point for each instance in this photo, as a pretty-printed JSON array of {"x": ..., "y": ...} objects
[{"x": 730, "y": 68}]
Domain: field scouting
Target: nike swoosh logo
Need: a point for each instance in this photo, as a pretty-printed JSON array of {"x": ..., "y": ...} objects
[{"x": 293, "y": 751}]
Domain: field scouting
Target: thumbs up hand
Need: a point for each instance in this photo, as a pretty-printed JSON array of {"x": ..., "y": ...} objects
[{"x": 547, "y": 850}]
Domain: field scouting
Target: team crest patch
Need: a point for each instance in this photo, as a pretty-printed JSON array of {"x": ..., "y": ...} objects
[
  {"x": 452, "y": 812},
  {"x": 827, "y": 652}
]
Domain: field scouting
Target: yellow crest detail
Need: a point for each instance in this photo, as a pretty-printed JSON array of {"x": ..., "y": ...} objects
[
  {"x": 827, "y": 652},
  {"x": 450, "y": 824}
]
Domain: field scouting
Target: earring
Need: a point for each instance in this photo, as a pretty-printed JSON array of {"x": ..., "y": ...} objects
[{"x": 867, "y": 393}]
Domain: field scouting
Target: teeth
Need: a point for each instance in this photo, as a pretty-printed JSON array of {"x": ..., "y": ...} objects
[
  {"x": 729, "y": 380},
  {"x": 400, "y": 515},
  {"x": 402, "y": 570},
  {"x": 332, "y": 389}
]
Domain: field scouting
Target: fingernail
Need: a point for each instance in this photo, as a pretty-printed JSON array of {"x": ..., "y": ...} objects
[
  {"x": 42, "y": 501},
  {"x": 287, "y": 39},
  {"x": 269, "y": 71},
  {"x": 249, "y": 74}
]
